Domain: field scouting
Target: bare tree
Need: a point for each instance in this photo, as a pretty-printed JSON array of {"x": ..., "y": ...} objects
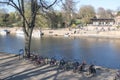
[
  {"x": 28, "y": 24},
  {"x": 102, "y": 13},
  {"x": 68, "y": 7},
  {"x": 109, "y": 13}
]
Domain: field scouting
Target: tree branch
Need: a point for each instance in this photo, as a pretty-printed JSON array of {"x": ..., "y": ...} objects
[
  {"x": 20, "y": 11},
  {"x": 19, "y": 4},
  {"x": 46, "y": 7}
]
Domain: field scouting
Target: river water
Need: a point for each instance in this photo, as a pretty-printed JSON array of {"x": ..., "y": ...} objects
[{"x": 100, "y": 51}]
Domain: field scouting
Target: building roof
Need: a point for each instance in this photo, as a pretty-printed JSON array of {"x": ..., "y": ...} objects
[{"x": 102, "y": 19}]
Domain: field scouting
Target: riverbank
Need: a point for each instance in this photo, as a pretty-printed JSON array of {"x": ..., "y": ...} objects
[
  {"x": 13, "y": 68},
  {"x": 67, "y": 32},
  {"x": 82, "y": 33}
]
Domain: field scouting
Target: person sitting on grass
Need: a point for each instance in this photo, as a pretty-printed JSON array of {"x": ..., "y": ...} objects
[{"x": 92, "y": 69}]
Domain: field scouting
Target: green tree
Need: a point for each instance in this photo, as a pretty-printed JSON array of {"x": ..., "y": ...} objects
[
  {"x": 86, "y": 12},
  {"x": 56, "y": 19},
  {"x": 69, "y": 8},
  {"x": 42, "y": 21},
  {"x": 3, "y": 17},
  {"x": 18, "y": 19},
  {"x": 13, "y": 19}
]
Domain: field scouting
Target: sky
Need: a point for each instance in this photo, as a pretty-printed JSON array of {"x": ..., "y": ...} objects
[{"x": 106, "y": 4}]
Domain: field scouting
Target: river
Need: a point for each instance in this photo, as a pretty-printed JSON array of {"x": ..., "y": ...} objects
[{"x": 99, "y": 51}]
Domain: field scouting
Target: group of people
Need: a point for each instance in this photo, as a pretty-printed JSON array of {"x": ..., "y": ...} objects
[{"x": 63, "y": 65}]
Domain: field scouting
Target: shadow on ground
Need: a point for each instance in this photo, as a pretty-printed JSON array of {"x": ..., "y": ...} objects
[
  {"x": 37, "y": 72},
  {"x": 11, "y": 68}
]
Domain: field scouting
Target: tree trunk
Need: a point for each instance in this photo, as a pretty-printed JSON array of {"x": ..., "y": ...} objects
[
  {"x": 26, "y": 46},
  {"x": 28, "y": 42}
]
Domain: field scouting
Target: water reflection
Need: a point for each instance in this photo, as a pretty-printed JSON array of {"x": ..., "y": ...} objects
[
  {"x": 103, "y": 52},
  {"x": 11, "y": 44}
]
